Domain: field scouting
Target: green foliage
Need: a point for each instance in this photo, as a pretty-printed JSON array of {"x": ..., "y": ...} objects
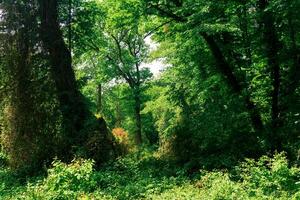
[
  {"x": 229, "y": 91},
  {"x": 3, "y": 159},
  {"x": 267, "y": 178},
  {"x": 270, "y": 176},
  {"x": 212, "y": 46},
  {"x": 11, "y": 185},
  {"x": 165, "y": 113},
  {"x": 143, "y": 176},
  {"x": 198, "y": 120},
  {"x": 64, "y": 181},
  {"x": 134, "y": 177}
]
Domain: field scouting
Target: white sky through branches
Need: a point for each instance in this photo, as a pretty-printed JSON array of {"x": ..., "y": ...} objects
[{"x": 157, "y": 65}]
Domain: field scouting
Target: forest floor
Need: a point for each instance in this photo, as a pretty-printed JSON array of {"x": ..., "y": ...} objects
[{"x": 138, "y": 176}]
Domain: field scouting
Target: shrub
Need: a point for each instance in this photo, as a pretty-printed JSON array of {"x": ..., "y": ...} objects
[
  {"x": 122, "y": 140},
  {"x": 271, "y": 176},
  {"x": 267, "y": 178},
  {"x": 141, "y": 175},
  {"x": 65, "y": 181}
]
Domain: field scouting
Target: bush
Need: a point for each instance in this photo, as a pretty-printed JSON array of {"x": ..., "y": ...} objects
[
  {"x": 270, "y": 176},
  {"x": 143, "y": 176},
  {"x": 267, "y": 178},
  {"x": 122, "y": 141},
  {"x": 65, "y": 181}
]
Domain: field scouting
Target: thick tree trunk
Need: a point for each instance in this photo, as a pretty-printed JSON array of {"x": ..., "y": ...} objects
[
  {"x": 20, "y": 146},
  {"x": 72, "y": 106},
  {"x": 23, "y": 134}
]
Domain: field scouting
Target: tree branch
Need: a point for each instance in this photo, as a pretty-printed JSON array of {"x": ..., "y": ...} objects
[{"x": 156, "y": 28}]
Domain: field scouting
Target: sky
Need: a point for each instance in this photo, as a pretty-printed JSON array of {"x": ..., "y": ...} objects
[{"x": 157, "y": 65}]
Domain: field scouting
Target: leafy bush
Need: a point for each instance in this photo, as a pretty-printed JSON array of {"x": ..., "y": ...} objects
[
  {"x": 10, "y": 184},
  {"x": 267, "y": 178},
  {"x": 142, "y": 175},
  {"x": 65, "y": 181},
  {"x": 270, "y": 176},
  {"x": 122, "y": 140}
]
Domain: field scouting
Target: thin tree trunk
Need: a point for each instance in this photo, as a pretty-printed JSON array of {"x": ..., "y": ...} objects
[
  {"x": 272, "y": 50},
  {"x": 137, "y": 110},
  {"x": 99, "y": 106},
  {"x": 294, "y": 74},
  {"x": 118, "y": 113}
]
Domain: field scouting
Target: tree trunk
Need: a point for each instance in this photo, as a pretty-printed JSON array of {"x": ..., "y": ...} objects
[
  {"x": 99, "y": 106},
  {"x": 21, "y": 135},
  {"x": 294, "y": 74},
  {"x": 137, "y": 111},
  {"x": 272, "y": 50},
  {"x": 224, "y": 67},
  {"x": 23, "y": 138},
  {"x": 72, "y": 106},
  {"x": 119, "y": 117}
]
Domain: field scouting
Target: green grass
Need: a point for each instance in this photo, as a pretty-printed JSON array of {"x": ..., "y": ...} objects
[{"x": 146, "y": 176}]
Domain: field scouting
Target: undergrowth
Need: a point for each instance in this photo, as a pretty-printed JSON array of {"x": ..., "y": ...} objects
[{"x": 146, "y": 176}]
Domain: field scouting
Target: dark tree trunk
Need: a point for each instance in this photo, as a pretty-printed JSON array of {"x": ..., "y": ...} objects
[
  {"x": 99, "y": 106},
  {"x": 272, "y": 43},
  {"x": 22, "y": 133},
  {"x": 72, "y": 106},
  {"x": 137, "y": 112},
  {"x": 224, "y": 67},
  {"x": 294, "y": 74},
  {"x": 23, "y": 139}
]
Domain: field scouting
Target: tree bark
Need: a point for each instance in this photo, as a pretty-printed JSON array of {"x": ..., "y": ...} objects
[
  {"x": 71, "y": 104},
  {"x": 272, "y": 44},
  {"x": 99, "y": 106},
  {"x": 22, "y": 128},
  {"x": 137, "y": 110},
  {"x": 294, "y": 74},
  {"x": 73, "y": 109}
]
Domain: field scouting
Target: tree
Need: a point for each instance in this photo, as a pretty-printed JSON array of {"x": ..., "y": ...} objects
[
  {"x": 76, "y": 115},
  {"x": 124, "y": 48},
  {"x": 29, "y": 116},
  {"x": 130, "y": 70},
  {"x": 223, "y": 34}
]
